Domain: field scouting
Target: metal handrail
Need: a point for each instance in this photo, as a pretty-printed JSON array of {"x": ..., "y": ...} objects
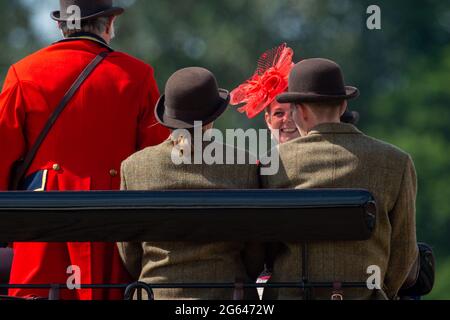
[
  {"x": 151, "y": 287},
  {"x": 275, "y": 285},
  {"x": 138, "y": 287}
]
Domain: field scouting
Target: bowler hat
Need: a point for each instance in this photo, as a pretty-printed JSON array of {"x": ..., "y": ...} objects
[
  {"x": 191, "y": 95},
  {"x": 316, "y": 80},
  {"x": 89, "y": 9}
]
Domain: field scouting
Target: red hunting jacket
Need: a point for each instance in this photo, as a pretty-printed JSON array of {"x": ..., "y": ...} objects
[{"x": 109, "y": 118}]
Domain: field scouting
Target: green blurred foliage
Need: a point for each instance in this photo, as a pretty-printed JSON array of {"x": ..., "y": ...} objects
[
  {"x": 403, "y": 70},
  {"x": 415, "y": 116},
  {"x": 440, "y": 291},
  {"x": 16, "y": 37}
]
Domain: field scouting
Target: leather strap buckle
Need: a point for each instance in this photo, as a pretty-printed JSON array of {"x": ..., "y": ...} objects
[
  {"x": 338, "y": 294},
  {"x": 337, "y": 297}
]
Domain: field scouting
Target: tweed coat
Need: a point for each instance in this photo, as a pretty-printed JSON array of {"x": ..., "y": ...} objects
[
  {"x": 341, "y": 156},
  {"x": 175, "y": 262}
]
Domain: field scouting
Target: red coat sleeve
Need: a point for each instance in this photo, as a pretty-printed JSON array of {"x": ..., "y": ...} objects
[
  {"x": 12, "y": 119},
  {"x": 150, "y": 133}
]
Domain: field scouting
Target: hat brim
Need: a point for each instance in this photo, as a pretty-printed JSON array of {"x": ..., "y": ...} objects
[
  {"x": 292, "y": 97},
  {"x": 114, "y": 11},
  {"x": 172, "y": 123}
]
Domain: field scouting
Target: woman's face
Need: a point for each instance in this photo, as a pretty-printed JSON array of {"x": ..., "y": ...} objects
[{"x": 279, "y": 117}]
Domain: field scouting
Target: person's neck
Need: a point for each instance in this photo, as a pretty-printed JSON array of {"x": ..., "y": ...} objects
[
  {"x": 101, "y": 38},
  {"x": 314, "y": 124},
  {"x": 318, "y": 121}
]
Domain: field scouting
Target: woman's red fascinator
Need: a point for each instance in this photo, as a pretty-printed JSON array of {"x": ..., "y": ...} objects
[{"x": 270, "y": 79}]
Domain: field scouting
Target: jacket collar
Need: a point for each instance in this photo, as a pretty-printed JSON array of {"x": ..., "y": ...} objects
[
  {"x": 88, "y": 37},
  {"x": 334, "y": 128}
]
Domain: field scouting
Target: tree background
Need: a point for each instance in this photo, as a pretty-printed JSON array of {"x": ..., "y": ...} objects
[{"x": 403, "y": 70}]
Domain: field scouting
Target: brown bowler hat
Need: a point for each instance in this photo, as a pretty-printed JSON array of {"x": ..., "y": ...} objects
[
  {"x": 317, "y": 80},
  {"x": 89, "y": 9},
  {"x": 191, "y": 95}
]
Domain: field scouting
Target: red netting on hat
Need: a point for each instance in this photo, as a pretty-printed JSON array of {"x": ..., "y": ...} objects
[{"x": 270, "y": 79}]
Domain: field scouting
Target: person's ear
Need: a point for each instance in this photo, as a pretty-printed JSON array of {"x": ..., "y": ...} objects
[
  {"x": 110, "y": 24},
  {"x": 268, "y": 119},
  {"x": 59, "y": 24},
  {"x": 303, "y": 111},
  {"x": 209, "y": 126},
  {"x": 294, "y": 111},
  {"x": 343, "y": 108}
]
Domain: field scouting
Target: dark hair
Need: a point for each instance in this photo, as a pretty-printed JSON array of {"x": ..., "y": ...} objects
[
  {"x": 351, "y": 117},
  {"x": 326, "y": 104}
]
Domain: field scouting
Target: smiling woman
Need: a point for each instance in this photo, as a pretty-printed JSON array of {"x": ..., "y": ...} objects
[
  {"x": 260, "y": 91},
  {"x": 279, "y": 119}
]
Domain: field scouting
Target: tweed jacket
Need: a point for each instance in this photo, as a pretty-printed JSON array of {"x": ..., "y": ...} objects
[
  {"x": 153, "y": 169},
  {"x": 340, "y": 156}
]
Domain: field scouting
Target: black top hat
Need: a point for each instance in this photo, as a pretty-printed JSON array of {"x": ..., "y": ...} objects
[
  {"x": 316, "y": 80},
  {"x": 89, "y": 9},
  {"x": 191, "y": 95}
]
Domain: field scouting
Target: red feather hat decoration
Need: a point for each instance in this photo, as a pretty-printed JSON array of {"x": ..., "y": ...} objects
[{"x": 270, "y": 79}]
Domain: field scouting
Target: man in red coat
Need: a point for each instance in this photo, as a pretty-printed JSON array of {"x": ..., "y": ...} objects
[{"x": 108, "y": 119}]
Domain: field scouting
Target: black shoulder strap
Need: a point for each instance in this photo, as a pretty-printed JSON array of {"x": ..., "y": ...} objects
[{"x": 62, "y": 105}]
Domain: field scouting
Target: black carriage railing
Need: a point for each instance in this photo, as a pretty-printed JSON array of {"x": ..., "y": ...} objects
[
  {"x": 252, "y": 215},
  {"x": 139, "y": 287}
]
